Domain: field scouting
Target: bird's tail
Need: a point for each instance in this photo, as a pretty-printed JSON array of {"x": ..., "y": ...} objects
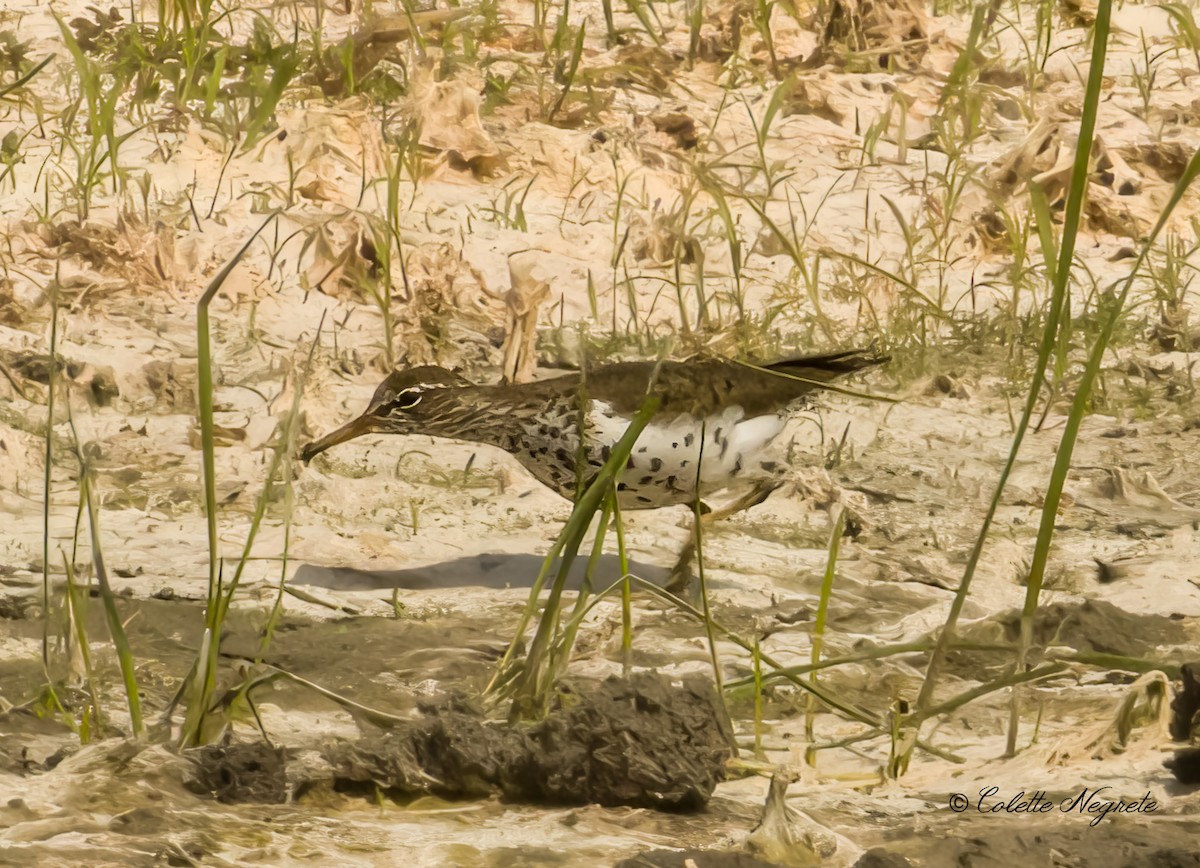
[{"x": 829, "y": 366}]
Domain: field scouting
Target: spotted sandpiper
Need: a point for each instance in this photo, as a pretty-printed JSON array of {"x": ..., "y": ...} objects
[{"x": 716, "y": 417}]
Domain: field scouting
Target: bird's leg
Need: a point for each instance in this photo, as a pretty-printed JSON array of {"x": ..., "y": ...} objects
[{"x": 681, "y": 574}]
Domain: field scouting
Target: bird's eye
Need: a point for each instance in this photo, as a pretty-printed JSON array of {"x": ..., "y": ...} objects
[{"x": 408, "y": 398}]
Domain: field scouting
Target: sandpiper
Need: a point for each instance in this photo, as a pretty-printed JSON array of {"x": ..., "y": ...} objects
[{"x": 715, "y": 419}]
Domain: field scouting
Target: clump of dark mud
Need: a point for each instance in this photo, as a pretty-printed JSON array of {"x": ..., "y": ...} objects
[
  {"x": 452, "y": 754},
  {"x": 1185, "y": 725},
  {"x": 1099, "y": 626},
  {"x": 234, "y": 773},
  {"x": 1090, "y": 626},
  {"x": 1185, "y": 708},
  {"x": 984, "y": 841},
  {"x": 641, "y": 742}
]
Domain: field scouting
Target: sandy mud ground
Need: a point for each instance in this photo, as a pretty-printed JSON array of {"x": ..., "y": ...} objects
[{"x": 707, "y": 189}]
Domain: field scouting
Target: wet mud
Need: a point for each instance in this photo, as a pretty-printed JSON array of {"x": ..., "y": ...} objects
[{"x": 640, "y": 742}]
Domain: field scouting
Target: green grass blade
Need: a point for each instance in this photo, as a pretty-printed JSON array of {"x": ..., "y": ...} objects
[
  {"x": 26, "y": 78},
  {"x": 202, "y": 679},
  {"x": 530, "y": 695},
  {"x": 47, "y": 470},
  {"x": 818, "y": 632},
  {"x": 1066, "y": 447},
  {"x": 1050, "y": 334},
  {"x": 569, "y": 78},
  {"x": 116, "y": 630}
]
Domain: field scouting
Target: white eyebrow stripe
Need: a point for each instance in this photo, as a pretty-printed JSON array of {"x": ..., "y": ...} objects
[{"x": 420, "y": 387}]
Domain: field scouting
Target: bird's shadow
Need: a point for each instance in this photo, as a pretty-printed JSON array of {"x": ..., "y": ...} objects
[{"x": 489, "y": 570}]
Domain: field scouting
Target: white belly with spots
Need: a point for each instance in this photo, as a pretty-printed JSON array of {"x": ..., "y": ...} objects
[{"x": 663, "y": 467}]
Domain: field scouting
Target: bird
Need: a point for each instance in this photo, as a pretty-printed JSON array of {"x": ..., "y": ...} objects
[{"x": 715, "y": 419}]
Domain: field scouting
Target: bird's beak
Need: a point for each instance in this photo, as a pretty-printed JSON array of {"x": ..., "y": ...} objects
[{"x": 364, "y": 424}]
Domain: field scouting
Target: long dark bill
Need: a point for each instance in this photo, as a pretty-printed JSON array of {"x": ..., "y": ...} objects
[{"x": 364, "y": 424}]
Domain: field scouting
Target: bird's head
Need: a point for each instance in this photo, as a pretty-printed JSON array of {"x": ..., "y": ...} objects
[{"x": 407, "y": 402}]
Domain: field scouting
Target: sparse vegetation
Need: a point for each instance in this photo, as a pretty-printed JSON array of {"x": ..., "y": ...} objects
[{"x": 748, "y": 179}]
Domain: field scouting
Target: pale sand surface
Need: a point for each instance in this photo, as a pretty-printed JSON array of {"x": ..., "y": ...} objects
[{"x": 917, "y": 475}]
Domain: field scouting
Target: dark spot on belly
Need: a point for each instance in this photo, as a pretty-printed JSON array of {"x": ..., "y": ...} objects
[
  {"x": 642, "y": 449},
  {"x": 684, "y": 463},
  {"x": 655, "y": 465},
  {"x": 630, "y": 464},
  {"x": 645, "y": 480},
  {"x": 675, "y": 445},
  {"x": 770, "y": 466},
  {"x": 737, "y": 465},
  {"x": 565, "y": 458},
  {"x": 555, "y": 433},
  {"x": 643, "y": 499},
  {"x": 688, "y": 439},
  {"x": 605, "y": 452},
  {"x": 621, "y": 486}
]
